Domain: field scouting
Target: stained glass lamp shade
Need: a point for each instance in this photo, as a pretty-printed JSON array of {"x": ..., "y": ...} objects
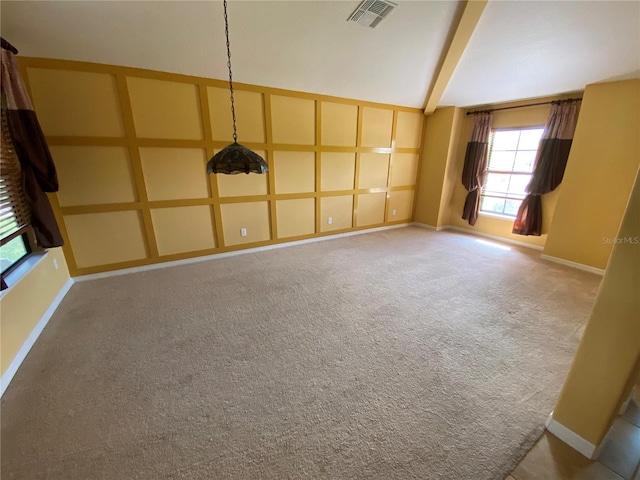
[{"x": 234, "y": 158}]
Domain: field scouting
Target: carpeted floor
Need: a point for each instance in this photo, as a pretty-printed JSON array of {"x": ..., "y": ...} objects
[{"x": 403, "y": 354}]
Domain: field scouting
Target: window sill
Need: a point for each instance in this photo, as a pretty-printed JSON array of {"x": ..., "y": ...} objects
[
  {"x": 22, "y": 270},
  {"x": 497, "y": 215}
]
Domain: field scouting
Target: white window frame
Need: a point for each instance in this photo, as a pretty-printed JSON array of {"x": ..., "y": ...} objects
[{"x": 506, "y": 196}]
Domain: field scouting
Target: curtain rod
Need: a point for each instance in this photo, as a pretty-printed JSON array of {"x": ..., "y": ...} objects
[
  {"x": 557, "y": 102},
  {"x": 7, "y": 46}
]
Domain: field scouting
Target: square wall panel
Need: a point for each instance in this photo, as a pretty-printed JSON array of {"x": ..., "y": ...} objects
[
  {"x": 93, "y": 175},
  {"x": 340, "y": 209},
  {"x": 295, "y": 172},
  {"x": 104, "y": 238},
  {"x": 249, "y": 108},
  {"x": 402, "y": 202},
  {"x": 252, "y": 216},
  {"x": 243, "y": 185},
  {"x": 162, "y": 109},
  {"x": 174, "y": 173},
  {"x": 183, "y": 229},
  {"x": 409, "y": 129},
  {"x": 403, "y": 169},
  {"x": 78, "y": 104},
  {"x": 377, "y": 124},
  {"x": 296, "y": 217},
  {"x": 338, "y": 170},
  {"x": 374, "y": 170},
  {"x": 339, "y": 124},
  {"x": 371, "y": 208},
  {"x": 293, "y": 120}
]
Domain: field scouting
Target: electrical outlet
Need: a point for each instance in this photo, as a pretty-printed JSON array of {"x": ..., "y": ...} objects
[
  {"x": 243, "y": 232},
  {"x": 330, "y": 220},
  {"x": 394, "y": 212}
]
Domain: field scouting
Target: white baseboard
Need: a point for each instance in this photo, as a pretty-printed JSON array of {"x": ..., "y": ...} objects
[
  {"x": 569, "y": 263},
  {"x": 572, "y": 439},
  {"x": 579, "y": 266},
  {"x": 429, "y": 227},
  {"x": 205, "y": 258},
  {"x": 492, "y": 237},
  {"x": 475, "y": 232},
  {"x": 33, "y": 336}
]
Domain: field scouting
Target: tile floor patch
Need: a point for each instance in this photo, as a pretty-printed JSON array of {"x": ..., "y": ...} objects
[
  {"x": 622, "y": 451},
  {"x": 550, "y": 458}
]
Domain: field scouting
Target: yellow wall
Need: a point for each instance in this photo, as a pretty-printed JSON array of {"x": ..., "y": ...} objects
[
  {"x": 585, "y": 209},
  {"x": 131, "y": 147},
  {"x": 437, "y": 171},
  {"x": 22, "y": 306},
  {"x": 602, "y": 164},
  {"x": 493, "y": 225},
  {"x": 610, "y": 348}
]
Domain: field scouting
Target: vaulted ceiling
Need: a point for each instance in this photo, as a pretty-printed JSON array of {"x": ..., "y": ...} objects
[{"x": 510, "y": 50}]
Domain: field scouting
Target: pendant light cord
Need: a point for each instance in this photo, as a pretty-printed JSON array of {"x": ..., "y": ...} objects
[{"x": 233, "y": 108}]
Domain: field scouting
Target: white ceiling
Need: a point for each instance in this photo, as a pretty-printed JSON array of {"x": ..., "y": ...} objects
[
  {"x": 519, "y": 49},
  {"x": 530, "y": 49}
]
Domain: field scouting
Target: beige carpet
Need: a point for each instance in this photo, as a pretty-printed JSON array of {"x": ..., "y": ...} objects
[{"x": 404, "y": 354}]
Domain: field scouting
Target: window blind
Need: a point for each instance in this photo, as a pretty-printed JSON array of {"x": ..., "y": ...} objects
[{"x": 14, "y": 212}]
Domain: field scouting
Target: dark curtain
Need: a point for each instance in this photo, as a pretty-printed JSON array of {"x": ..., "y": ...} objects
[
  {"x": 475, "y": 164},
  {"x": 38, "y": 171},
  {"x": 551, "y": 161}
]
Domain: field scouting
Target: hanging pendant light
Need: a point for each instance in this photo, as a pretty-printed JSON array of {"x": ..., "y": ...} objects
[{"x": 235, "y": 158}]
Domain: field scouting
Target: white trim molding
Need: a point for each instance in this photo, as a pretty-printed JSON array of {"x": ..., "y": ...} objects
[
  {"x": 474, "y": 232},
  {"x": 14, "y": 277},
  {"x": 572, "y": 439},
  {"x": 33, "y": 336},
  {"x": 493, "y": 237},
  {"x": 429, "y": 227},
  {"x": 569, "y": 263},
  {"x": 205, "y": 258}
]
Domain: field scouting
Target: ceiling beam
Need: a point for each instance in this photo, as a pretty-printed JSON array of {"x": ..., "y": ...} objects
[{"x": 467, "y": 24}]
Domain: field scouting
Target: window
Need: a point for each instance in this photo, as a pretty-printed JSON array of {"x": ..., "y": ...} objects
[
  {"x": 512, "y": 154},
  {"x": 14, "y": 212},
  {"x": 12, "y": 252}
]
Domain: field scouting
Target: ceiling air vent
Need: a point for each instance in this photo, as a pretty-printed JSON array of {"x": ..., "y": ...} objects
[{"x": 371, "y": 12}]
